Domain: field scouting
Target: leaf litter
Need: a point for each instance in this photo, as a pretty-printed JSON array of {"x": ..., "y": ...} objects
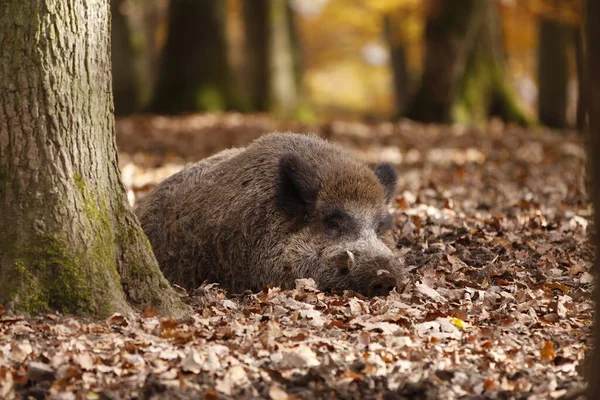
[{"x": 492, "y": 226}]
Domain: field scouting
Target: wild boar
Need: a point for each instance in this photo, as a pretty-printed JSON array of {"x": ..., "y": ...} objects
[{"x": 288, "y": 206}]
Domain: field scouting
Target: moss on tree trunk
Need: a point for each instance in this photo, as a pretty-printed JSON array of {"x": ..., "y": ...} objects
[
  {"x": 70, "y": 241},
  {"x": 195, "y": 72}
]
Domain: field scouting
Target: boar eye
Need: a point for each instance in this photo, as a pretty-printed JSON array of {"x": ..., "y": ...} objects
[
  {"x": 333, "y": 227},
  {"x": 334, "y": 224}
]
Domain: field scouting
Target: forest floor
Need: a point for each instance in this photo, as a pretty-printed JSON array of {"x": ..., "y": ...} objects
[{"x": 492, "y": 226}]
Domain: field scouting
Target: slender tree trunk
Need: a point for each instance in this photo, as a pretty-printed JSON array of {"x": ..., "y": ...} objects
[
  {"x": 123, "y": 69},
  {"x": 398, "y": 62},
  {"x": 195, "y": 73},
  {"x": 272, "y": 56},
  {"x": 256, "y": 24},
  {"x": 70, "y": 241},
  {"x": 593, "y": 67},
  {"x": 553, "y": 73},
  {"x": 582, "y": 96},
  {"x": 449, "y": 36}
]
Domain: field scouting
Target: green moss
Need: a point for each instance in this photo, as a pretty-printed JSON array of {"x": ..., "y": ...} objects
[
  {"x": 34, "y": 301},
  {"x": 485, "y": 92},
  {"x": 46, "y": 275},
  {"x": 102, "y": 254},
  {"x": 49, "y": 274},
  {"x": 79, "y": 183}
]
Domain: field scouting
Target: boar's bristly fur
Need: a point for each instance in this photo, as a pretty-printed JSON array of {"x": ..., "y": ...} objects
[{"x": 288, "y": 206}]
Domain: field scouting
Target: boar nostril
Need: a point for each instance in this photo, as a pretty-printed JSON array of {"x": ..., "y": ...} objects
[{"x": 381, "y": 289}]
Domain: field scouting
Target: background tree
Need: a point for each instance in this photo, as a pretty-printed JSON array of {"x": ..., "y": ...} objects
[
  {"x": 195, "y": 73},
  {"x": 485, "y": 90},
  {"x": 393, "y": 30},
  {"x": 582, "y": 95},
  {"x": 464, "y": 65},
  {"x": 592, "y": 33},
  {"x": 272, "y": 56},
  {"x": 553, "y": 72},
  {"x": 449, "y": 35},
  {"x": 123, "y": 69},
  {"x": 70, "y": 241}
]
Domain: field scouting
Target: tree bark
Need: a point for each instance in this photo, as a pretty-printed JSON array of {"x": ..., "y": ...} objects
[
  {"x": 398, "y": 62},
  {"x": 553, "y": 73},
  {"x": 123, "y": 68},
  {"x": 272, "y": 56},
  {"x": 70, "y": 241},
  {"x": 195, "y": 73},
  {"x": 592, "y": 33}
]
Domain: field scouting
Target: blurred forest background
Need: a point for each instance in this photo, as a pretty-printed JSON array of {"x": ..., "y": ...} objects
[{"x": 370, "y": 60}]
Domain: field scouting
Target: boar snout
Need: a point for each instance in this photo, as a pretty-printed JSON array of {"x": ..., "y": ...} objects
[
  {"x": 366, "y": 274},
  {"x": 382, "y": 284}
]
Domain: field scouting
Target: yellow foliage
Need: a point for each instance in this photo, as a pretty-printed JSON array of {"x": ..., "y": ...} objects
[{"x": 338, "y": 76}]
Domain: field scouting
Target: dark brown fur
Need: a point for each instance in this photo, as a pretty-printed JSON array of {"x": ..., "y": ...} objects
[{"x": 257, "y": 216}]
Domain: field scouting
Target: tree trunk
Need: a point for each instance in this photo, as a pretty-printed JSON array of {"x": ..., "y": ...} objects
[
  {"x": 398, "y": 63},
  {"x": 195, "y": 73},
  {"x": 70, "y": 241},
  {"x": 123, "y": 69},
  {"x": 553, "y": 73},
  {"x": 582, "y": 97},
  {"x": 272, "y": 56},
  {"x": 256, "y": 26},
  {"x": 449, "y": 36},
  {"x": 592, "y": 27},
  {"x": 485, "y": 90},
  {"x": 464, "y": 75}
]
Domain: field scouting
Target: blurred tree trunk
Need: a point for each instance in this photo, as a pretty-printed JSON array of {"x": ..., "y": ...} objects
[
  {"x": 195, "y": 73},
  {"x": 553, "y": 72},
  {"x": 272, "y": 56},
  {"x": 593, "y": 70},
  {"x": 70, "y": 241},
  {"x": 256, "y": 16},
  {"x": 392, "y": 25},
  {"x": 582, "y": 97},
  {"x": 449, "y": 35},
  {"x": 485, "y": 90},
  {"x": 123, "y": 69},
  {"x": 464, "y": 73},
  {"x": 147, "y": 23}
]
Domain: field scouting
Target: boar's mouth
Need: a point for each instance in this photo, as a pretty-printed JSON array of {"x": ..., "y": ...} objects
[{"x": 370, "y": 277}]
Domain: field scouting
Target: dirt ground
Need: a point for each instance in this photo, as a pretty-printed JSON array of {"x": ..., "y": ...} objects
[{"x": 492, "y": 226}]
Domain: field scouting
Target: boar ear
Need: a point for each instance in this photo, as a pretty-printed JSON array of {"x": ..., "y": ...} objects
[
  {"x": 387, "y": 176},
  {"x": 297, "y": 187}
]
